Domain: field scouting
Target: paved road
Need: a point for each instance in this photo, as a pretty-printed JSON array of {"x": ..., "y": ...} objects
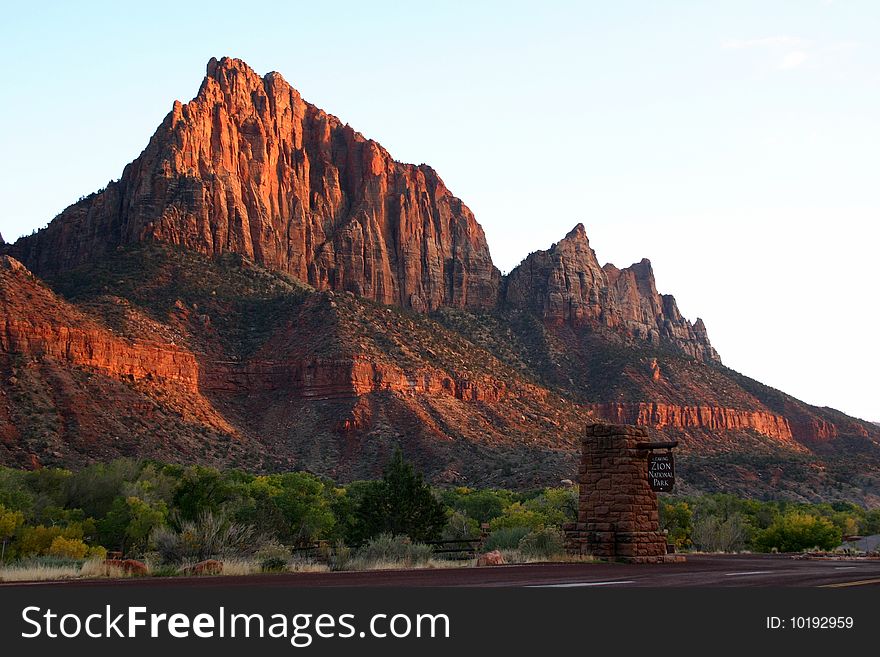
[{"x": 699, "y": 570}]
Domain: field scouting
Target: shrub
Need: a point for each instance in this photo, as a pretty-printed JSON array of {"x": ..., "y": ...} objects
[
  {"x": 713, "y": 534},
  {"x": 460, "y": 527},
  {"x": 340, "y": 559},
  {"x": 167, "y": 544},
  {"x": 210, "y": 536},
  {"x": 386, "y": 548},
  {"x": 36, "y": 541},
  {"x": 70, "y": 548},
  {"x": 677, "y": 520},
  {"x": 165, "y": 571},
  {"x": 506, "y": 538},
  {"x": 544, "y": 542},
  {"x": 97, "y": 552},
  {"x": 518, "y": 515},
  {"x": 273, "y": 565}
]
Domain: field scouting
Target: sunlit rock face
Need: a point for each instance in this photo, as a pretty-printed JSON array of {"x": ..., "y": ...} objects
[{"x": 248, "y": 166}]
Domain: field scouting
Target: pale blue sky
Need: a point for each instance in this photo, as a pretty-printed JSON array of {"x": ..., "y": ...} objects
[{"x": 734, "y": 143}]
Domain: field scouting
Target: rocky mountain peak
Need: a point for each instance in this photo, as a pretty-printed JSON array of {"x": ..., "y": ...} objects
[
  {"x": 578, "y": 233},
  {"x": 565, "y": 284},
  {"x": 249, "y": 167}
]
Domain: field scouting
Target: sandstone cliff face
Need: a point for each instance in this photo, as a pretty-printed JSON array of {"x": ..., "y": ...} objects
[
  {"x": 714, "y": 418},
  {"x": 347, "y": 378},
  {"x": 565, "y": 284},
  {"x": 35, "y": 323},
  {"x": 248, "y": 166}
]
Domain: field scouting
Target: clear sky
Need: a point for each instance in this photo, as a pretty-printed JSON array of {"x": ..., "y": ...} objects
[{"x": 734, "y": 143}]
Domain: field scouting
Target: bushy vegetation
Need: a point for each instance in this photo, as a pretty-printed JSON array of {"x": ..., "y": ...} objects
[
  {"x": 388, "y": 548},
  {"x": 542, "y": 543},
  {"x": 399, "y": 504},
  {"x": 171, "y": 516},
  {"x": 726, "y": 523},
  {"x": 176, "y": 513}
]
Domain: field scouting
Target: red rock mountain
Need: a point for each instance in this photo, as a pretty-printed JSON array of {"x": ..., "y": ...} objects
[
  {"x": 566, "y": 284},
  {"x": 249, "y": 167},
  {"x": 267, "y": 288}
]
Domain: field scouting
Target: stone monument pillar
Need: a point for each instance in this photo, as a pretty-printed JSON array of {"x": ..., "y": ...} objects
[{"x": 617, "y": 510}]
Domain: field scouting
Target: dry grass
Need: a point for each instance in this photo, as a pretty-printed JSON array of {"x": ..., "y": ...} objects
[
  {"x": 307, "y": 567},
  {"x": 92, "y": 569},
  {"x": 38, "y": 573},
  {"x": 450, "y": 563},
  {"x": 518, "y": 557},
  {"x": 240, "y": 567},
  {"x": 386, "y": 564},
  {"x": 96, "y": 568}
]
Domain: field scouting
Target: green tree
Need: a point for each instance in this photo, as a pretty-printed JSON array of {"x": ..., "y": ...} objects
[
  {"x": 518, "y": 515},
  {"x": 796, "y": 531},
  {"x": 401, "y": 503},
  {"x": 344, "y": 504},
  {"x": 10, "y": 521},
  {"x": 294, "y": 506},
  {"x": 15, "y": 493},
  {"x": 871, "y": 523},
  {"x": 481, "y": 505},
  {"x": 95, "y": 488},
  {"x": 36, "y": 541},
  {"x": 130, "y": 521},
  {"x": 460, "y": 527},
  {"x": 557, "y": 505},
  {"x": 203, "y": 489},
  {"x": 677, "y": 519}
]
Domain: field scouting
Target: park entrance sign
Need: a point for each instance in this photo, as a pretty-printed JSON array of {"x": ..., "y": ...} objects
[
  {"x": 618, "y": 515},
  {"x": 661, "y": 471}
]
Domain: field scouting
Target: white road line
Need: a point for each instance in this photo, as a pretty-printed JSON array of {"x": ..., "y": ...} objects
[
  {"x": 748, "y": 572},
  {"x": 559, "y": 586},
  {"x": 845, "y": 567}
]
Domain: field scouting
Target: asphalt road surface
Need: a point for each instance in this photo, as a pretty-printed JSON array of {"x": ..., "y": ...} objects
[{"x": 699, "y": 570}]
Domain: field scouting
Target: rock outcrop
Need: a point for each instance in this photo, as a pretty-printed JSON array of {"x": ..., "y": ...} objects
[
  {"x": 346, "y": 378},
  {"x": 35, "y": 323},
  {"x": 565, "y": 284},
  {"x": 713, "y": 418},
  {"x": 249, "y": 167}
]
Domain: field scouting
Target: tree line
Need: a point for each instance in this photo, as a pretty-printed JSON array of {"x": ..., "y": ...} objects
[{"x": 138, "y": 507}]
